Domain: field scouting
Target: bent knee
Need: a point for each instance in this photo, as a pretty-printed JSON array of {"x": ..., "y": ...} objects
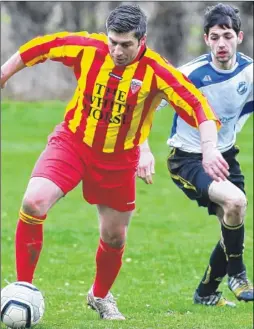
[
  {"x": 235, "y": 205},
  {"x": 234, "y": 209},
  {"x": 34, "y": 206}
]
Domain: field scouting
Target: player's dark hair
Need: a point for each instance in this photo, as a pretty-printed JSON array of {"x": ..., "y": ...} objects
[
  {"x": 127, "y": 18},
  {"x": 223, "y": 15}
]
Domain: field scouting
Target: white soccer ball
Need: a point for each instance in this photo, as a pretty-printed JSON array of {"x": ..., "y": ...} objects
[{"x": 22, "y": 305}]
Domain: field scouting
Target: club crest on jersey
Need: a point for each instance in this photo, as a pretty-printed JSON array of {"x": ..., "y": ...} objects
[
  {"x": 135, "y": 85},
  {"x": 242, "y": 87}
]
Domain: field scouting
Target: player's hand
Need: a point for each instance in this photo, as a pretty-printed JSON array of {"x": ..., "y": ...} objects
[
  {"x": 146, "y": 166},
  {"x": 214, "y": 164}
]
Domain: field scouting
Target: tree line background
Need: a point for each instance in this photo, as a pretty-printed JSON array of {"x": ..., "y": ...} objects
[{"x": 175, "y": 30}]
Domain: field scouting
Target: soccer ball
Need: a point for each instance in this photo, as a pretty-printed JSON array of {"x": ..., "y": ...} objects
[{"x": 22, "y": 305}]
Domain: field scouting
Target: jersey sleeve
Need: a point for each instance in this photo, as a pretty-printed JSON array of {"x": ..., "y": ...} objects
[
  {"x": 187, "y": 100},
  {"x": 62, "y": 47}
]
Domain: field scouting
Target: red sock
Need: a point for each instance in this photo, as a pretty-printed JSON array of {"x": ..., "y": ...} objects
[
  {"x": 29, "y": 240},
  {"x": 108, "y": 261}
]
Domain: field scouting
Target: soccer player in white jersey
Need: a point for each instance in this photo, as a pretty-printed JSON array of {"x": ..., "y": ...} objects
[{"x": 225, "y": 77}]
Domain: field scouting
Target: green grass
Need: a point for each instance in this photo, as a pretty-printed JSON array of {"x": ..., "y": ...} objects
[{"x": 168, "y": 245}]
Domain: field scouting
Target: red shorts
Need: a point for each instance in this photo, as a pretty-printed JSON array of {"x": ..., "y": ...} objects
[{"x": 108, "y": 178}]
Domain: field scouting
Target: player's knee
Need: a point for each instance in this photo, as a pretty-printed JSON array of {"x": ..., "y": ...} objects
[
  {"x": 114, "y": 239},
  {"x": 33, "y": 206},
  {"x": 234, "y": 209}
]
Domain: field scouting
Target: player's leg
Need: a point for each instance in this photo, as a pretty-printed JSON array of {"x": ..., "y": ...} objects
[
  {"x": 57, "y": 171},
  {"x": 114, "y": 195},
  {"x": 39, "y": 197},
  {"x": 217, "y": 267},
  {"x": 233, "y": 202},
  {"x": 220, "y": 262},
  {"x": 188, "y": 174},
  {"x": 113, "y": 230}
]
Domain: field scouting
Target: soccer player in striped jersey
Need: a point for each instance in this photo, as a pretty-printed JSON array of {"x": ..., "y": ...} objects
[
  {"x": 225, "y": 77},
  {"x": 120, "y": 82}
]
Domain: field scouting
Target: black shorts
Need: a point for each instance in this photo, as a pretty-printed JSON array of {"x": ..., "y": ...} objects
[{"x": 188, "y": 174}]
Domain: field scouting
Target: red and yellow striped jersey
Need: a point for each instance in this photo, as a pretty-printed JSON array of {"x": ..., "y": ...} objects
[{"x": 113, "y": 106}]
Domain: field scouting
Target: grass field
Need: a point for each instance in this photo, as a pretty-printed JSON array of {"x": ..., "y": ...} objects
[{"x": 168, "y": 245}]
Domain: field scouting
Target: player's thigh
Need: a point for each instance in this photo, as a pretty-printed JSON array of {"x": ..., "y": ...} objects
[
  {"x": 188, "y": 174},
  {"x": 225, "y": 193},
  {"x": 230, "y": 192},
  {"x": 60, "y": 162},
  {"x": 58, "y": 169}
]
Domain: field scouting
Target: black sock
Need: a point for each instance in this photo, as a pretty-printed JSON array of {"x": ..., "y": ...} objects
[
  {"x": 214, "y": 273},
  {"x": 233, "y": 237}
]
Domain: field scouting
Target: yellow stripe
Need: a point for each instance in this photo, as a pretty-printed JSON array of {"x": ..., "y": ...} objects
[
  {"x": 65, "y": 50},
  {"x": 177, "y": 99},
  {"x": 30, "y": 219},
  {"x": 237, "y": 147},
  {"x": 36, "y": 60},
  {"x": 102, "y": 78},
  {"x": 113, "y": 128},
  {"x": 172, "y": 153},
  {"x": 223, "y": 246},
  {"x": 186, "y": 184},
  {"x": 40, "y": 40},
  {"x": 146, "y": 127},
  {"x": 99, "y": 36},
  {"x": 137, "y": 113},
  {"x": 57, "y": 52},
  {"x": 208, "y": 275},
  {"x": 86, "y": 63}
]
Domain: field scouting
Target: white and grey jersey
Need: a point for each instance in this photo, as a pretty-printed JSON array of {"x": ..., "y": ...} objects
[{"x": 230, "y": 94}]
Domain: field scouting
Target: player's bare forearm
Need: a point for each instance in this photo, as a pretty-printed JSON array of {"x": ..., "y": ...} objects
[
  {"x": 213, "y": 162},
  {"x": 146, "y": 163},
  {"x": 208, "y": 134},
  {"x": 10, "y": 67}
]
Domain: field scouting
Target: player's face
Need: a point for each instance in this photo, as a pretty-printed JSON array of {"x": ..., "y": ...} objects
[
  {"x": 123, "y": 47},
  {"x": 223, "y": 44}
]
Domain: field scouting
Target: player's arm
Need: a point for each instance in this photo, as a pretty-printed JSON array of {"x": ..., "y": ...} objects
[
  {"x": 213, "y": 162},
  {"x": 193, "y": 107},
  {"x": 10, "y": 67},
  {"x": 63, "y": 47},
  {"x": 146, "y": 164}
]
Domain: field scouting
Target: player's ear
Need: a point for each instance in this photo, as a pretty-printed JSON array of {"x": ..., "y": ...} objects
[
  {"x": 240, "y": 37},
  {"x": 206, "y": 39},
  {"x": 143, "y": 40}
]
